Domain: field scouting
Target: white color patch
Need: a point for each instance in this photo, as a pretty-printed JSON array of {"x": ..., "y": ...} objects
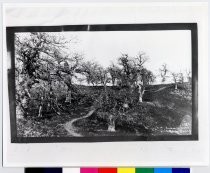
[{"x": 71, "y": 170}]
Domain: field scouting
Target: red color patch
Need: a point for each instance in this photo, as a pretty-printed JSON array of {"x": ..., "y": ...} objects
[{"x": 107, "y": 170}]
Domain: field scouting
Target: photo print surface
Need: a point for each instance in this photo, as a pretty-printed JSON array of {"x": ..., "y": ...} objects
[{"x": 98, "y": 83}]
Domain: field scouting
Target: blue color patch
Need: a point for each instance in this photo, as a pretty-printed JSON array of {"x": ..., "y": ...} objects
[
  {"x": 162, "y": 170},
  {"x": 180, "y": 170},
  {"x": 52, "y": 170}
]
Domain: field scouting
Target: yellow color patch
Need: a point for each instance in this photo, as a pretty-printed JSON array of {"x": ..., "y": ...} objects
[{"x": 125, "y": 170}]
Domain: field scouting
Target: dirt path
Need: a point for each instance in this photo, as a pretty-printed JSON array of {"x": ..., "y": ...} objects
[
  {"x": 72, "y": 130},
  {"x": 160, "y": 89}
]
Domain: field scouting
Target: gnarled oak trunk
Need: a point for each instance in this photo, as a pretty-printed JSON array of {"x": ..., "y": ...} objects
[
  {"x": 111, "y": 125},
  {"x": 141, "y": 93}
]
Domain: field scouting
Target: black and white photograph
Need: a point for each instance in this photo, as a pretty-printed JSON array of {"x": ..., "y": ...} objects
[{"x": 103, "y": 83}]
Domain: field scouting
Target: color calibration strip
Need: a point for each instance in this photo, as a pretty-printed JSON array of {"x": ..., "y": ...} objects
[{"x": 107, "y": 170}]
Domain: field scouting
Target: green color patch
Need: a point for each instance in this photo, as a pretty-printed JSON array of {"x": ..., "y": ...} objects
[{"x": 144, "y": 170}]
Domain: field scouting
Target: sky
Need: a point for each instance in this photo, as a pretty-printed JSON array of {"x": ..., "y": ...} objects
[{"x": 172, "y": 47}]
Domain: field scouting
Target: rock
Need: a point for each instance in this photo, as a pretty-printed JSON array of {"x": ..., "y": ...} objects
[{"x": 185, "y": 127}]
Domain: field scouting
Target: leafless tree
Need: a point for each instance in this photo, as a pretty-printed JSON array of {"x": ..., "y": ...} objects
[
  {"x": 35, "y": 57},
  {"x": 189, "y": 76},
  {"x": 181, "y": 77},
  {"x": 114, "y": 72},
  {"x": 104, "y": 79},
  {"x": 163, "y": 72},
  {"x": 90, "y": 70},
  {"x": 175, "y": 77},
  {"x": 141, "y": 59},
  {"x": 134, "y": 74},
  {"x": 143, "y": 77}
]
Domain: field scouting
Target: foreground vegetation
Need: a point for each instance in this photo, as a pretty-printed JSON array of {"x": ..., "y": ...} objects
[{"x": 163, "y": 109}]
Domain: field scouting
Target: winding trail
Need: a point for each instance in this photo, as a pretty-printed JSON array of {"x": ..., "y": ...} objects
[{"x": 72, "y": 130}]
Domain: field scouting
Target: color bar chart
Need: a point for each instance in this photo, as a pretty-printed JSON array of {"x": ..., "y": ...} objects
[{"x": 107, "y": 170}]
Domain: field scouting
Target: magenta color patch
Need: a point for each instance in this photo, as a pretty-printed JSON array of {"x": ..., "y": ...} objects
[{"x": 88, "y": 170}]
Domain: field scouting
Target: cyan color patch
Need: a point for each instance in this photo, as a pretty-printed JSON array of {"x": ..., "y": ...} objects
[{"x": 162, "y": 170}]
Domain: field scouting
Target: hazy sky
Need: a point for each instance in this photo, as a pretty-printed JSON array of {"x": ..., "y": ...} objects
[{"x": 170, "y": 47}]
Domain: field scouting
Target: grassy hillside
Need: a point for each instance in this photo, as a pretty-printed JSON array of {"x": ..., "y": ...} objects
[{"x": 162, "y": 108}]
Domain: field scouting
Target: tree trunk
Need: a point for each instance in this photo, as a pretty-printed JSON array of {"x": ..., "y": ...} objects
[
  {"x": 113, "y": 82},
  {"x": 41, "y": 107},
  {"x": 140, "y": 99},
  {"x": 27, "y": 92},
  {"x": 68, "y": 97},
  {"x": 176, "y": 86},
  {"x": 105, "y": 88},
  {"x": 24, "y": 106},
  {"x": 25, "y": 102},
  {"x": 111, "y": 126},
  {"x": 105, "y": 92},
  {"x": 40, "y": 111},
  {"x": 70, "y": 86},
  {"x": 141, "y": 93}
]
